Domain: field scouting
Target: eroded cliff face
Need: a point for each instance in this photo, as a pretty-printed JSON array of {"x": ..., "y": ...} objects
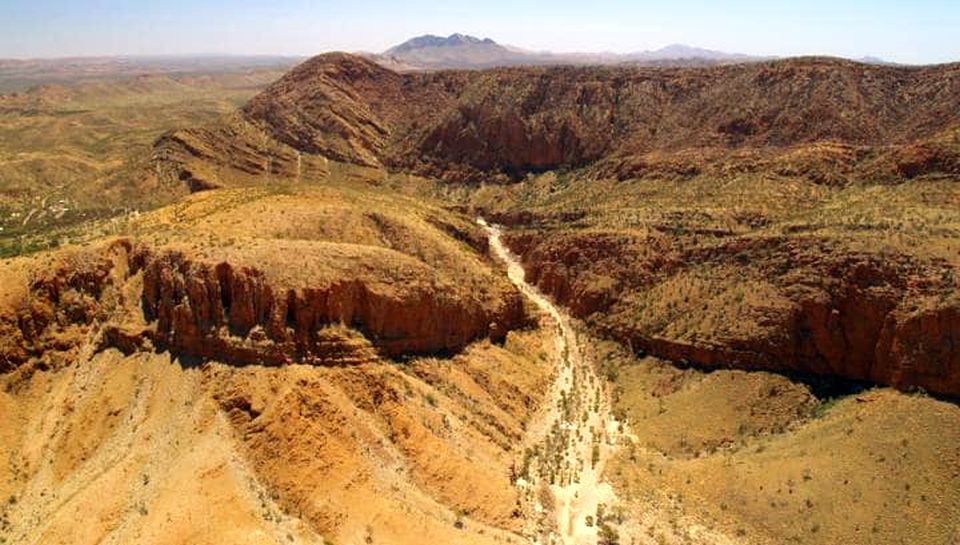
[
  {"x": 214, "y": 310},
  {"x": 155, "y": 452},
  {"x": 781, "y": 304},
  {"x": 834, "y": 120},
  {"x": 49, "y": 311},
  {"x": 307, "y": 273},
  {"x": 134, "y": 297}
]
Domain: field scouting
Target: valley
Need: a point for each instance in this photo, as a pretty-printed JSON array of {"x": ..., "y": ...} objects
[
  {"x": 570, "y": 305},
  {"x": 76, "y": 152},
  {"x": 572, "y": 442}
]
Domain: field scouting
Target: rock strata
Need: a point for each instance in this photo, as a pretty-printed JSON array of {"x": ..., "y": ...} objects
[
  {"x": 134, "y": 297},
  {"x": 832, "y": 119},
  {"x": 886, "y": 319}
]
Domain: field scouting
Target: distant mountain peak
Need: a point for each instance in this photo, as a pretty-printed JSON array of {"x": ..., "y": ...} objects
[
  {"x": 431, "y": 52},
  {"x": 684, "y": 51},
  {"x": 870, "y": 59},
  {"x": 434, "y": 41}
]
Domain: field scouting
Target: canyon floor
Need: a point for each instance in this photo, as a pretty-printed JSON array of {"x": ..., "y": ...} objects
[
  {"x": 567, "y": 447},
  {"x": 236, "y": 311}
]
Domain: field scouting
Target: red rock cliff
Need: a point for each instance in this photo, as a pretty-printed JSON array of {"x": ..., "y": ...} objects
[
  {"x": 885, "y": 319},
  {"x": 466, "y": 125},
  {"x": 133, "y": 297}
]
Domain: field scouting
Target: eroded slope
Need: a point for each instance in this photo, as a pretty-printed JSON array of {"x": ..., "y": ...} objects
[
  {"x": 781, "y": 274},
  {"x": 260, "y": 277},
  {"x": 833, "y": 120},
  {"x": 257, "y": 365}
]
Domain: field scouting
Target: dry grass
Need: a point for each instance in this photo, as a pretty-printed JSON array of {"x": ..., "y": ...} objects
[
  {"x": 919, "y": 218},
  {"x": 83, "y": 152},
  {"x": 757, "y": 458}
]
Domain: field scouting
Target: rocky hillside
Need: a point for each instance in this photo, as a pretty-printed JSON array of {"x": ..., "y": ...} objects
[
  {"x": 329, "y": 281},
  {"x": 836, "y": 119},
  {"x": 776, "y": 303},
  {"x": 769, "y": 272},
  {"x": 758, "y": 258},
  {"x": 332, "y": 362}
]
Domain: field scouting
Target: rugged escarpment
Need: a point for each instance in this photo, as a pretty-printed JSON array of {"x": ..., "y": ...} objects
[
  {"x": 298, "y": 362},
  {"x": 221, "y": 310},
  {"x": 308, "y": 454},
  {"x": 327, "y": 281},
  {"x": 132, "y": 297},
  {"x": 794, "y": 304},
  {"x": 771, "y": 279},
  {"x": 834, "y": 119}
]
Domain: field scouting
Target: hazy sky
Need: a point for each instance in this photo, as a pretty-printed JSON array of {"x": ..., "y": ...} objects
[{"x": 905, "y": 31}]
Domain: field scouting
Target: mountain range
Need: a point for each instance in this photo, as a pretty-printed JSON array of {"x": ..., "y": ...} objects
[{"x": 430, "y": 52}]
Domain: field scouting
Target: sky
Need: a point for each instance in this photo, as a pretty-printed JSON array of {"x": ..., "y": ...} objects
[{"x": 918, "y": 31}]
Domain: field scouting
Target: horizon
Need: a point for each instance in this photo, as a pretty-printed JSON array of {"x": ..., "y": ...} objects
[
  {"x": 920, "y": 33},
  {"x": 199, "y": 55},
  {"x": 186, "y": 56}
]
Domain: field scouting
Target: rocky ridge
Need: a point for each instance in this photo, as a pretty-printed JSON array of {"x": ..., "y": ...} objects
[
  {"x": 861, "y": 316},
  {"x": 401, "y": 287},
  {"x": 830, "y": 123},
  {"x": 831, "y": 118}
]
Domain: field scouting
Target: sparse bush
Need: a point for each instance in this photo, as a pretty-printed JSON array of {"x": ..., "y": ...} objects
[{"x": 607, "y": 535}]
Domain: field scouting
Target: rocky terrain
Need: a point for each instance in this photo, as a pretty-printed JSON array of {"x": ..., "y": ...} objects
[
  {"x": 222, "y": 287},
  {"x": 142, "y": 449},
  {"x": 679, "y": 323},
  {"x": 778, "y": 272},
  {"x": 843, "y": 304},
  {"x": 832, "y": 121},
  {"x": 251, "y": 349},
  {"x": 796, "y": 305}
]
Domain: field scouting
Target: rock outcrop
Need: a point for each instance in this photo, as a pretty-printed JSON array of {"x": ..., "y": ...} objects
[
  {"x": 882, "y": 318},
  {"x": 132, "y": 297},
  {"x": 239, "y": 313}
]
